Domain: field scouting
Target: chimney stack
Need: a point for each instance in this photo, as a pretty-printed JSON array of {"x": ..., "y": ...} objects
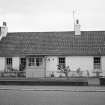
[
  {"x": 77, "y": 28},
  {"x": 3, "y": 30}
]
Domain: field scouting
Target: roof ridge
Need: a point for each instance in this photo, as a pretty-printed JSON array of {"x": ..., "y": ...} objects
[{"x": 60, "y": 31}]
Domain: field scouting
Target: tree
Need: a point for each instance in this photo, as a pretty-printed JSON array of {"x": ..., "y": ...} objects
[
  {"x": 79, "y": 72},
  {"x": 88, "y": 74},
  {"x": 64, "y": 69}
]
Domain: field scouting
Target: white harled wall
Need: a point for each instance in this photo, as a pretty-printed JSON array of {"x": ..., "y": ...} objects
[
  {"x": 103, "y": 65},
  {"x": 74, "y": 62},
  {"x": 2, "y": 63},
  {"x": 85, "y": 63},
  {"x": 16, "y": 62},
  {"x": 51, "y": 65}
]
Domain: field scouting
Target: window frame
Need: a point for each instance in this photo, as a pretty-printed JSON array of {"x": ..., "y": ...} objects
[
  {"x": 62, "y": 61},
  {"x": 9, "y": 61},
  {"x": 35, "y": 61},
  {"x": 31, "y": 61},
  {"x": 97, "y": 62},
  {"x": 39, "y": 61}
]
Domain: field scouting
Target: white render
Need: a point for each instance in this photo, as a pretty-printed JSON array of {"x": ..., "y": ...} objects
[
  {"x": 51, "y": 65},
  {"x": 103, "y": 65},
  {"x": 83, "y": 62},
  {"x": 16, "y": 63},
  {"x": 2, "y": 63}
]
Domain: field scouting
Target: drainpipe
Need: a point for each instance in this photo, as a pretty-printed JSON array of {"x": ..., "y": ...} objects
[{"x": 45, "y": 58}]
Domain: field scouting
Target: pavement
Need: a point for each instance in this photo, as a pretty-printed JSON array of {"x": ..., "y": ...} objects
[{"x": 54, "y": 88}]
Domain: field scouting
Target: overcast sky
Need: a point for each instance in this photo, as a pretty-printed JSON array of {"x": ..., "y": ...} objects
[{"x": 52, "y": 15}]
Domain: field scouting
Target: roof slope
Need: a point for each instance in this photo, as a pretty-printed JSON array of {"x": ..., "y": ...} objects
[{"x": 89, "y": 43}]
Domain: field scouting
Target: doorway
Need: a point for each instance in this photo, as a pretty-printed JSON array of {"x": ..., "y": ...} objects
[{"x": 22, "y": 64}]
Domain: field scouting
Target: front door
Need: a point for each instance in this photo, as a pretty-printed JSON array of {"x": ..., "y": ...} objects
[{"x": 22, "y": 64}]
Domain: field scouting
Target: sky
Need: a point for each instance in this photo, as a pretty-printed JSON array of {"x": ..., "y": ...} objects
[{"x": 52, "y": 15}]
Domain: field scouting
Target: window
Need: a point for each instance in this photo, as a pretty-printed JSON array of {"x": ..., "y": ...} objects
[
  {"x": 38, "y": 61},
  {"x": 23, "y": 61},
  {"x": 9, "y": 61},
  {"x": 62, "y": 61},
  {"x": 97, "y": 60},
  {"x": 35, "y": 61},
  {"x": 97, "y": 63},
  {"x": 31, "y": 61}
]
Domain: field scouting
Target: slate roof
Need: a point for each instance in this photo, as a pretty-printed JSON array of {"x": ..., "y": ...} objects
[{"x": 89, "y": 43}]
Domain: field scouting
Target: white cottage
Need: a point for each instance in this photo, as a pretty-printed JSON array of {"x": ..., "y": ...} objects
[{"x": 38, "y": 53}]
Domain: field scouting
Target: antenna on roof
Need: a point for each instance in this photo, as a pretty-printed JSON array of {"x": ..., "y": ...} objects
[{"x": 74, "y": 17}]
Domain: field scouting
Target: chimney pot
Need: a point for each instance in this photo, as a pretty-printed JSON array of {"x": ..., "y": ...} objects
[
  {"x": 3, "y": 30},
  {"x": 77, "y": 21},
  {"x": 4, "y": 24},
  {"x": 77, "y": 28}
]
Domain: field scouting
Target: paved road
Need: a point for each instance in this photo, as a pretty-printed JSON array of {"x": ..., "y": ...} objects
[
  {"x": 54, "y": 88},
  {"x": 52, "y": 95}
]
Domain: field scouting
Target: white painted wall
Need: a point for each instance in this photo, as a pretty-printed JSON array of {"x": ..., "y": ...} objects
[
  {"x": 2, "y": 63},
  {"x": 16, "y": 62},
  {"x": 103, "y": 65},
  {"x": 83, "y": 62},
  {"x": 51, "y": 65},
  {"x": 74, "y": 62}
]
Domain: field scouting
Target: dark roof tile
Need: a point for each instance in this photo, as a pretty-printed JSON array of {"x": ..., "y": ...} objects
[{"x": 53, "y": 43}]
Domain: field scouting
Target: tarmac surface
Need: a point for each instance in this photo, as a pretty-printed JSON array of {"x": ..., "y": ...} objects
[
  {"x": 52, "y": 95},
  {"x": 54, "y": 88}
]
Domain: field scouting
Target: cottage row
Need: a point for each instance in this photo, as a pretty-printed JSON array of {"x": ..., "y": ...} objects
[{"x": 38, "y": 53}]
